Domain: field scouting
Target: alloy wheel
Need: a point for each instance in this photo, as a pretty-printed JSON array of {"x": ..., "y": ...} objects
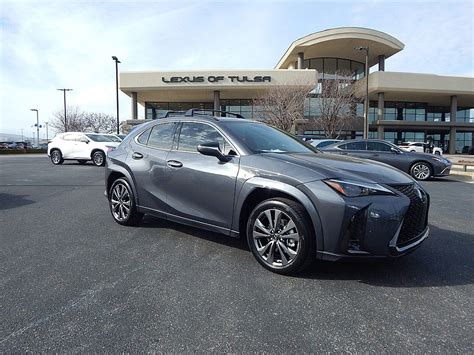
[
  {"x": 120, "y": 202},
  {"x": 56, "y": 157},
  {"x": 421, "y": 171},
  {"x": 98, "y": 158},
  {"x": 276, "y": 238}
]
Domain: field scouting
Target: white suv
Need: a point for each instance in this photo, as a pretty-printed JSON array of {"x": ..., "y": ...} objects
[
  {"x": 420, "y": 148},
  {"x": 81, "y": 147}
]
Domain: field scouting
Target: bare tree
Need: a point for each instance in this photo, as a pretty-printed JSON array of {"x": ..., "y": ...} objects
[
  {"x": 74, "y": 121},
  {"x": 80, "y": 121},
  {"x": 281, "y": 106},
  {"x": 99, "y": 122},
  {"x": 336, "y": 104}
]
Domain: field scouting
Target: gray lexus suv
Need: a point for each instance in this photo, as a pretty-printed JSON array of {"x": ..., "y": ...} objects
[{"x": 244, "y": 178}]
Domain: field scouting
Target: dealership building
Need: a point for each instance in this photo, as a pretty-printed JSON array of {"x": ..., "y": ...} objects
[{"x": 402, "y": 106}]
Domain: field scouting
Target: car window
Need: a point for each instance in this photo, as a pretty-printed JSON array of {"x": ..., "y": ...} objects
[
  {"x": 193, "y": 133},
  {"x": 355, "y": 146},
  {"x": 325, "y": 144},
  {"x": 161, "y": 135},
  {"x": 98, "y": 138},
  {"x": 378, "y": 146},
  {"x": 143, "y": 138},
  {"x": 69, "y": 137}
]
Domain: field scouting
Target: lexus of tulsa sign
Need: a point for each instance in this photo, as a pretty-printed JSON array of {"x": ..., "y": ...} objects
[{"x": 216, "y": 79}]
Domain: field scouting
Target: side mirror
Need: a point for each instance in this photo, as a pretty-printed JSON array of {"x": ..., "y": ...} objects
[
  {"x": 213, "y": 150},
  {"x": 395, "y": 150},
  {"x": 84, "y": 140}
]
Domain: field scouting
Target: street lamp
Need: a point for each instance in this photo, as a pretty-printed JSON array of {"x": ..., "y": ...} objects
[
  {"x": 366, "y": 103},
  {"x": 65, "y": 117},
  {"x": 46, "y": 124},
  {"x": 37, "y": 127},
  {"x": 117, "y": 90}
]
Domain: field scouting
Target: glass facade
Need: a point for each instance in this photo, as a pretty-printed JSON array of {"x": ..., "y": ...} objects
[
  {"x": 465, "y": 142},
  {"x": 415, "y": 111},
  {"x": 156, "y": 110},
  {"x": 327, "y": 67}
]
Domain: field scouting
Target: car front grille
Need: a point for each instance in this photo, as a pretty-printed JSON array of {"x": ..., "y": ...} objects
[{"x": 416, "y": 217}]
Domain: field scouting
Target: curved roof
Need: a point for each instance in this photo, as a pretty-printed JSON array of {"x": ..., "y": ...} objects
[{"x": 340, "y": 43}]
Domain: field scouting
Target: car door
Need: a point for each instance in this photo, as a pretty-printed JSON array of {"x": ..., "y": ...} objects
[
  {"x": 147, "y": 161},
  {"x": 202, "y": 187},
  {"x": 383, "y": 152},
  {"x": 354, "y": 149},
  {"x": 66, "y": 145},
  {"x": 82, "y": 149}
]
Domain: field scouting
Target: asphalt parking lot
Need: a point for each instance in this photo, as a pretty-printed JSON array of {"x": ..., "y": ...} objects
[{"x": 71, "y": 279}]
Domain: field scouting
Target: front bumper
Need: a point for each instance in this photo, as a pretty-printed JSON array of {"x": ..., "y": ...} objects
[
  {"x": 373, "y": 226},
  {"x": 444, "y": 172}
]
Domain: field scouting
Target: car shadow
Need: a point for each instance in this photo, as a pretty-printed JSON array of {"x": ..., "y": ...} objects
[
  {"x": 153, "y": 222},
  {"x": 446, "y": 258},
  {"x": 9, "y": 201}
]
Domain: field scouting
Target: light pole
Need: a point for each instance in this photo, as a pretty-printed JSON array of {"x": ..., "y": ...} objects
[
  {"x": 37, "y": 127},
  {"x": 65, "y": 117},
  {"x": 366, "y": 103},
  {"x": 117, "y": 90},
  {"x": 46, "y": 124}
]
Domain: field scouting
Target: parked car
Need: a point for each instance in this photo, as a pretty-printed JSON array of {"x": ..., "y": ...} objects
[
  {"x": 81, "y": 147},
  {"x": 421, "y": 166},
  {"x": 320, "y": 143},
  {"x": 420, "y": 148},
  {"x": 243, "y": 178},
  {"x": 113, "y": 137}
]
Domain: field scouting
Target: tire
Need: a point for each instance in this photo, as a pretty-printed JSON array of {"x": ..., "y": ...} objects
[
  {"x": 120, "y": 198},
  {"x": 267, "y": 241},
  {"x": 98, "y": 158},
  {"x": 56, "y": 157},
  {"x": 82, "y": 161},
  {"x": 421, "y": 171}
]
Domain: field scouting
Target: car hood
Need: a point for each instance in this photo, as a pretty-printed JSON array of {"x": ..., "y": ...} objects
[
  {"x": 425, "y": 156},
  {"x": 310, "y": 166}
]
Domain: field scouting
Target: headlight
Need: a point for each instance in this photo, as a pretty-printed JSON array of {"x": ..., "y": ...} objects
[{"x": 354, "y": 188}]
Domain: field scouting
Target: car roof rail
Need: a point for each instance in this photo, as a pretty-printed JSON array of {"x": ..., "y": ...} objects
[
  {"x": 172, "y": 113},
  {"x": 200, "y": 111}
]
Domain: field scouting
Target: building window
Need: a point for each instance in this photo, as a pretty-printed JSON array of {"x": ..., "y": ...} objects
[
  {"x": 465, "y": 142},
  {"x": 327, "y": 67}
]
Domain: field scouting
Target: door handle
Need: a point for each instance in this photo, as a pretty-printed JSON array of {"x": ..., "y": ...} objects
[
  {"x": 174, "y": 164},
  {"x": 343, "y": 153},
  {"x": 137, "y": 155}
]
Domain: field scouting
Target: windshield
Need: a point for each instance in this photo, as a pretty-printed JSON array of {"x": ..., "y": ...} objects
[
  {"x": 98, "y": 138},
  {"x": 260, "y": 138}
]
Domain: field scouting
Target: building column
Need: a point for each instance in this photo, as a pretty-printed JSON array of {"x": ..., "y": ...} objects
[
  {"x": 380, "y": 131},
  {"x": 300, "y": 60},
  {"x": 381, "y": 63},
  {"x": 452, "y": 132},
  {"x": 380, "y": 106},
  {"x": 134, "y": 105},
  {"x": 217, "y": 101}
]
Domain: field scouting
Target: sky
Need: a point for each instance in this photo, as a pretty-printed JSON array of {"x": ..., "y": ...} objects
[{"x": 46, "y": 45}]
